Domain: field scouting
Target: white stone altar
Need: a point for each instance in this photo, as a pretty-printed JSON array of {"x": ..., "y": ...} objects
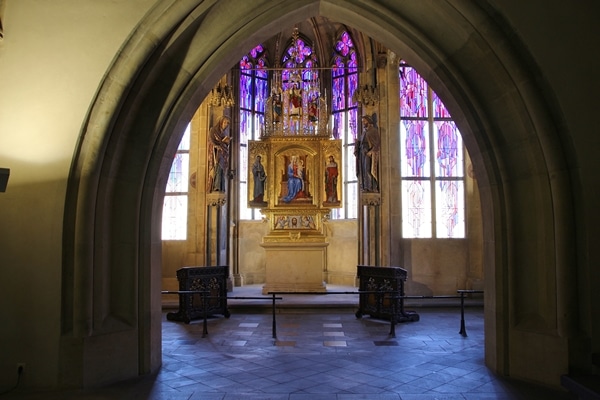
[{"x": 295, "y": 267}]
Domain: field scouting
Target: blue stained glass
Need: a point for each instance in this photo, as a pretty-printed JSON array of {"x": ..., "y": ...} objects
[{"x": 413, "y": 94}]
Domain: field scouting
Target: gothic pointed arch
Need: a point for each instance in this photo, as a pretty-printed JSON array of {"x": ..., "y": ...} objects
[{"x": 111, "y": 268}]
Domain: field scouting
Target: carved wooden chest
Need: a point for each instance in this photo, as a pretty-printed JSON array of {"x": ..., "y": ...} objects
[
  {"x": 388, "y": 283},
  {"x": 213, "y": 281}
]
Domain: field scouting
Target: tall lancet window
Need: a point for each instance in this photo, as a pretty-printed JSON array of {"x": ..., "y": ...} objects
[
  {"x": 175, "y": 207},
  {"x": 344, "y": 108},
  {"x": 432, "y": 162},
  {"x": 253, "y": 94}
]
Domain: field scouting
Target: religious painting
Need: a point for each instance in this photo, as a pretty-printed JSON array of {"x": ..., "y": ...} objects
[
  {"x": 296, "y": 169},
  {"x": 302, "y": 222},
  {"x": 258, "y": 180},
  {"x": 332, "y": 174}
]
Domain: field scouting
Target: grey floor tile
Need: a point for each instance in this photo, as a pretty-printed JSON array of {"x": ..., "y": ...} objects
[{"x": 319, "y": 354}]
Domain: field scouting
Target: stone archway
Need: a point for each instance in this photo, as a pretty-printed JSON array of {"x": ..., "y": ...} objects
[{"x": 111, "y": 280}]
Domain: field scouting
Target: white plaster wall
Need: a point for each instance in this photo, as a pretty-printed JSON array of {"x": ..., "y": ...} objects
[
  {"x": 342, "y": 252},
  {"x": 52, "y": 59},
  {"x": 251, "y": 254}
]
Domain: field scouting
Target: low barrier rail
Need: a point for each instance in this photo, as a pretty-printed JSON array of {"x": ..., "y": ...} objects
[{"x": 389, "y": 295}]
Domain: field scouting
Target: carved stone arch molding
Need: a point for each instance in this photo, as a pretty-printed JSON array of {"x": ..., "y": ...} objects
[{"x": 111, "y": 279}]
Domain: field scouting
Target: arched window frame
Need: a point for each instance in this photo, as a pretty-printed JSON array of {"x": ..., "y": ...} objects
[{"x": 432, "y": 162}]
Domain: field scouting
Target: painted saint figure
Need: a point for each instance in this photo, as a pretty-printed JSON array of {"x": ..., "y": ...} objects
[
  {"x": 367, "y": 156},
  {"x": 331, "y": 177},
  {"x": 218, "y": 155},
  {"x": 294, "y": 180},
  {"x": 259, "y": 175}
]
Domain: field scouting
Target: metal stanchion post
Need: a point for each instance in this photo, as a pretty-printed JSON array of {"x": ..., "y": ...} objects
[
  {"x": 463, "y": 331},
  {"x": 393, "y": 317},
  {"x": 205, "y": 312},
  {"x": 274, "y": 323}
]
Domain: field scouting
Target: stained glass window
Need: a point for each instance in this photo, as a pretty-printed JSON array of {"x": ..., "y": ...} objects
[
  {"x": 174, "y": 218},
  {"x": 344, "y": 81},
  {"x": 254, "y": 91},
  {"x": 432, "y": 162}
]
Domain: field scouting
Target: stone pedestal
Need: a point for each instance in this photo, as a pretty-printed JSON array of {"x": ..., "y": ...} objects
[{"x": 295, "y": 267}]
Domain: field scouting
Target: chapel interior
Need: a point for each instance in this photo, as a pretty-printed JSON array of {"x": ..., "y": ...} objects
[{"x": 293, "y": 142}]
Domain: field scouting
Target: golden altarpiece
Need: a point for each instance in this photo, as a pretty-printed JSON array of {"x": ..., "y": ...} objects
[{"x": 293, "y": 179}]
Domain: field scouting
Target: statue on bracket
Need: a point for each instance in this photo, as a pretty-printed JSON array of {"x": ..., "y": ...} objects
[
  {"x": 367, "y": 154},
  {"x": 218, "y": 155}
]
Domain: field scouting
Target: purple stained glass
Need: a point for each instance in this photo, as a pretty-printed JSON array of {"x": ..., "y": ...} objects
[
  {"x": 352, "y": 85},
  {"x": 299, "y": 55},
  {"x": 338, "y": 125},
  {"x": 310, "y": 74},
  {"x": 246, "y": 92},
  {"x": 261, "y": 95},
  {"x": 255, "y": 52},
  {"x": 416, "y": 214},
  {"x": 344, "y": 44},
  {"x": 415, "y": 145},
  {"x": 338, "y": 94},
  {"x": 261, "y": 68},
  {"x": 245, "y": 126},
  {"x": 352, "y": 118},
  {"x": 450, "y": 209},
  {"x": 439, "y": 109},
  {"x": 338, "y": 68},
  {"x": 352, "y": 63},
  {"x": 413, "y": 94},
  {"x": 179, "y": 173},
  {"x": 447, "y": 148},
  {"x": 245, "y": 63}
]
